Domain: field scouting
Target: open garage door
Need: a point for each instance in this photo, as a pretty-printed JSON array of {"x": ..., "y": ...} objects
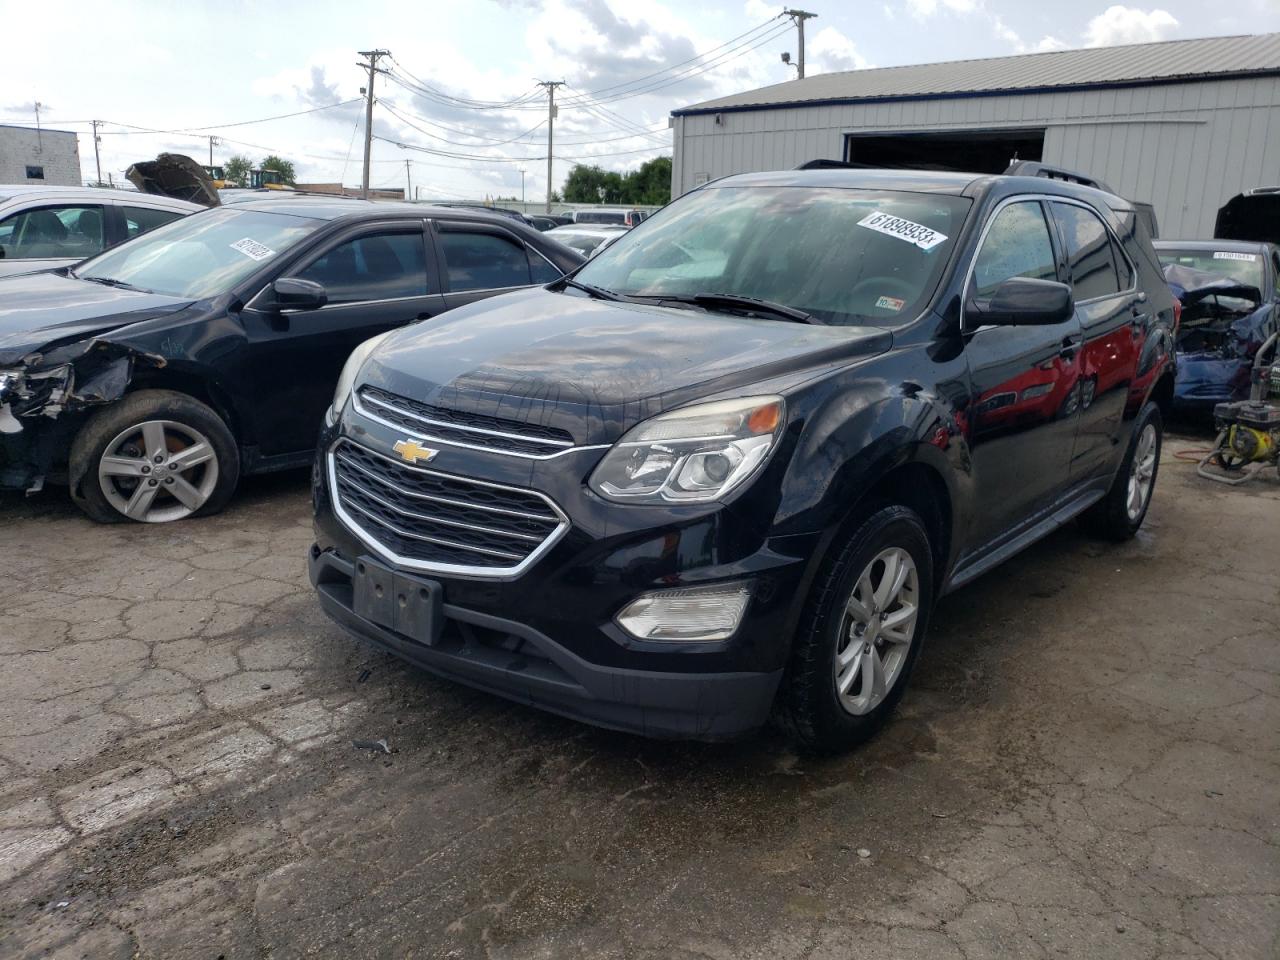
[{"x": 974, "y": 151}]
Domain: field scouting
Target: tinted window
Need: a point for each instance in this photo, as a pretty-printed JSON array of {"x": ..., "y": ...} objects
[
  {"x": 70, "y": 232},
  {"x": 1016, "y": 245},
  {"x": 1093, "y": 268},
  {"x": 483, "y": 261},
  {"x": 544, "y": 271},
  {"x": 381, "y": 266},
  {"x": 845, "y": 256},
  {"x": 138, "y": 220},
  {"x": 593, "y": 216}
]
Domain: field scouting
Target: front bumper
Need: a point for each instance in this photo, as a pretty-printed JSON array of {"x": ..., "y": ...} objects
[
  {"x": 547, "y": 636},
  {"x": 515, "y": 661}
]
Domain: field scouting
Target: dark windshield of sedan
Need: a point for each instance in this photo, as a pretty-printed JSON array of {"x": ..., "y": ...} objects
[
  {"x": 1244, "y": 267},
  {"x": 201, "y": 255},
  {"x": 845, "y": 256}
]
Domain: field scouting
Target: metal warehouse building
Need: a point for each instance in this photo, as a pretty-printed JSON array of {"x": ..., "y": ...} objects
[{"x": 1184, "y": 125}]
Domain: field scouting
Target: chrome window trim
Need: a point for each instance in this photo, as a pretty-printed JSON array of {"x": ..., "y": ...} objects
[
  {"x": 1038, "y": 197},
  {"x": 425, "y": 566},
  {"x": 428, "y": 438}
]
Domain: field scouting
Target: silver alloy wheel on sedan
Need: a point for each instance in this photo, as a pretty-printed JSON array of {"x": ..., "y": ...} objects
[
  {"x": 158, "y": 471},
  {"x": 1142, "y": 472},
  {"x": 877, "y": 630}
]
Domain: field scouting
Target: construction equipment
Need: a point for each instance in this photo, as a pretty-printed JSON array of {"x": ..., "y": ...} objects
[{"x": 1249, "y": 430}]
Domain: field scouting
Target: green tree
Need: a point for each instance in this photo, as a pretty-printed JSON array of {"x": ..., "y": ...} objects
[
  {"x": 237, "y": 170},
  {"x": 281, "y": 166},
  {"x": 650, "y": 184}
]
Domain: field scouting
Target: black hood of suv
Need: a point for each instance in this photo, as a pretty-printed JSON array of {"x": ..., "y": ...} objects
[
  {"x": 596, "y": 368},
  {"x": 40, "y": 309}
]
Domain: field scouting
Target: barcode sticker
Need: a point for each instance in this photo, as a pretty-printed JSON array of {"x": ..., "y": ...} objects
[
  {"x": 253, "y": 249},
  {"x": 926, "y": 238},
  {"x": 1232, "y": 255}
]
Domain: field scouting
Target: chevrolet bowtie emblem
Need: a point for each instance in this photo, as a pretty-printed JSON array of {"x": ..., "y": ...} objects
[{"x": 412, "y": 451}]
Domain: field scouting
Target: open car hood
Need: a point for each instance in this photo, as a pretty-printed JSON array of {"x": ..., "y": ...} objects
[
  {"x": 1191, "y": 285},
  {"x": 1252, "y": 215},
  {"x": 174, "y": 175}
]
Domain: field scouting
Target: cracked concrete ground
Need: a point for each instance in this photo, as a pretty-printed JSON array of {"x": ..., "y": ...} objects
[{"x": 1087, "y": 765}]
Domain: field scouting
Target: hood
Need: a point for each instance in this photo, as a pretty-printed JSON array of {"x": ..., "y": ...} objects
[
  {"x": 1252, "y": 215},
  {"x": 596, "y": 368},
  {"x": 1191, "y": 285},
  {"x": 42, "y": 309}
]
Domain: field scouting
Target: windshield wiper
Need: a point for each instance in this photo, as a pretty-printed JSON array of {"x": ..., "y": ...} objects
[
  {"x": 600, "y": 293},
  {"x": 731, "y": 301},
  {"x": 111, "y": 282}
]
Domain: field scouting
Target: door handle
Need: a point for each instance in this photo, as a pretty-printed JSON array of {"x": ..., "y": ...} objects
[{"x": 1069, "y": 347}]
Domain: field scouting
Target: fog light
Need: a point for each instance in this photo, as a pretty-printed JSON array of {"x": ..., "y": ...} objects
[{"x": 686, "y": 613}]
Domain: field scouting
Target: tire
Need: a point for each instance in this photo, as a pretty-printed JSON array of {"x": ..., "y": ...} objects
[
  {"x": 819, "y": 718},
  {"x": 1114, "y": 517},
  {"x": 128, "y": 463}
]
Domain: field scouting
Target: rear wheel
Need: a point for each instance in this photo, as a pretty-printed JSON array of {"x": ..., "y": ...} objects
[
  {"x": 155, "y": 457},
  {"x": 1119, "y": 515},
  {"x": 861, "y": 634}
]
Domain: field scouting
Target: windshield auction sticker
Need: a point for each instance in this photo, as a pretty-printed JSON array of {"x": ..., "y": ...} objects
[
  {"x": 1232, "y": 255},
  {"x": 926, "y": 238},
  {"x": 253, "y": 249}
]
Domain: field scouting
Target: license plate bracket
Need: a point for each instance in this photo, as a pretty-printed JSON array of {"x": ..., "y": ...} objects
[{"x": 404, "y": 604}]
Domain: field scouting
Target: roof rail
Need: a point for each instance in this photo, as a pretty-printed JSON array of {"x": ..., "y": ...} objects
[
  {"x": 821, "y": 164},
  {"x": 1034, "y": 168}
]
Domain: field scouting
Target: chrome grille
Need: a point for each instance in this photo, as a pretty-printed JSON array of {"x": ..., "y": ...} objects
[
  {"x": 439, "y": 522},
  {"x": 478, "y": 431}
]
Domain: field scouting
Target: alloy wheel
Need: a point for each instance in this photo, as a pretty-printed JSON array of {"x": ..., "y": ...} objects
[
  {"x": 157, "y": 471},
  {"x": 1142, "y": 472},
  {"x": 877, "y": 630}
]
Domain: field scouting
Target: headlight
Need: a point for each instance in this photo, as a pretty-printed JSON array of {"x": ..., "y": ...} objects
[
  {"x": 693, "y": 454},
  {"x": 351, "y": 370}
]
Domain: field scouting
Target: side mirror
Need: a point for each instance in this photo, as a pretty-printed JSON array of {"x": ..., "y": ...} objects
[
  {"x": 294, "y": 293},
  {"x": 1022, "y": 301}
]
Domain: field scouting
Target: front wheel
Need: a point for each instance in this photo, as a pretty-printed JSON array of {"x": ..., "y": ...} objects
[
  {"x": 1119, "y": 514},
  {"x": 861, "y": 634},
  {"x": 155, "y": 456}
]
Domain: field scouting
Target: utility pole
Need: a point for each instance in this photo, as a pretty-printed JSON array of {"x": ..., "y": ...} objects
[
  {"x": 39, "y": 135},
  {"x": 798, "y": 17},
  {"x": 551, "y": 126},
  {"x": 213, "y": 141},
  {"x": 522, "y": 186},
  {"x": 97, "y": 160},
  {"x": 373, "y": 56},
  {"x": 408, "y": 179}
]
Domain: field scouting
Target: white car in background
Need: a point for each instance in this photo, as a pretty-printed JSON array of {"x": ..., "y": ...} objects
[
  {"x": 587, "y": 239},
  {"x": 42, "y": 227}
]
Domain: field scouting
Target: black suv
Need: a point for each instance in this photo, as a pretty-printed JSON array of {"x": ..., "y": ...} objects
[
  {"x": 729, "y": 465},
  {"x": 155, "y": 375}
]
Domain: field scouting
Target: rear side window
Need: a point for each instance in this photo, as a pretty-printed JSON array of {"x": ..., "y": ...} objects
[
  {"x": 378, "y": 266},
  {"x": 1017, "y": 244},
  {"x": 138, "y": 220},
  {"x": 56, "y": 232},
  {"x": 1090, "y": 253},
  {"x": 483, "y": 261},
  {"x": 595, "y": 216}
]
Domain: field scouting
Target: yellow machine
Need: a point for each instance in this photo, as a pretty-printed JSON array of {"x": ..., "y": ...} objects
[{"x": 1249, "y": 430}]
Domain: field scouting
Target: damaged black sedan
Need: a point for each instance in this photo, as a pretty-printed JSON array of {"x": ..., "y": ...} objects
[{"x": 151, "y": 378}]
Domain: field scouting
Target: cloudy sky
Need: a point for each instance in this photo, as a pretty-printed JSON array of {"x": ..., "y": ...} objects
[{"x": 461, "y": 100}]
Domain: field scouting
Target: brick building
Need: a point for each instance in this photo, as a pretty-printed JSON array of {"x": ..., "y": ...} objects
[{"x": 28, "y": 155}]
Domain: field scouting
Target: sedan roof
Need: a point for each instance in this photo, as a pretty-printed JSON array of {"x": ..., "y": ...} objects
[{"x": 11, "y": 191}]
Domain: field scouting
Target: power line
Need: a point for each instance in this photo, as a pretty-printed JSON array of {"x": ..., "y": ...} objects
[{"x": 133, "y": 128}]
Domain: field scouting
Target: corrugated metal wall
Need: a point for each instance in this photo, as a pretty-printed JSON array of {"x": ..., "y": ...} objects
[{"x": 1186, "y": 148}]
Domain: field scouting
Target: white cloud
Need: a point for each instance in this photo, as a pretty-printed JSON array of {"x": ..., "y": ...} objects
[
  {"x": 1007, "y": 34},
  {"x": 1049, "y": 43},
  {"x": 924, "y": 9},
  {"x": 1118, "y": 24},
  {"x": 830, "y": 50},
  {"x": 759, "y": 10}
]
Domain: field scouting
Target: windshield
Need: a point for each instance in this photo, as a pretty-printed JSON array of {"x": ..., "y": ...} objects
[
  {"x": 1242, "y": 267},
  {"x": 201, "y": 255},
  {"x": 843, "y": 256}
]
